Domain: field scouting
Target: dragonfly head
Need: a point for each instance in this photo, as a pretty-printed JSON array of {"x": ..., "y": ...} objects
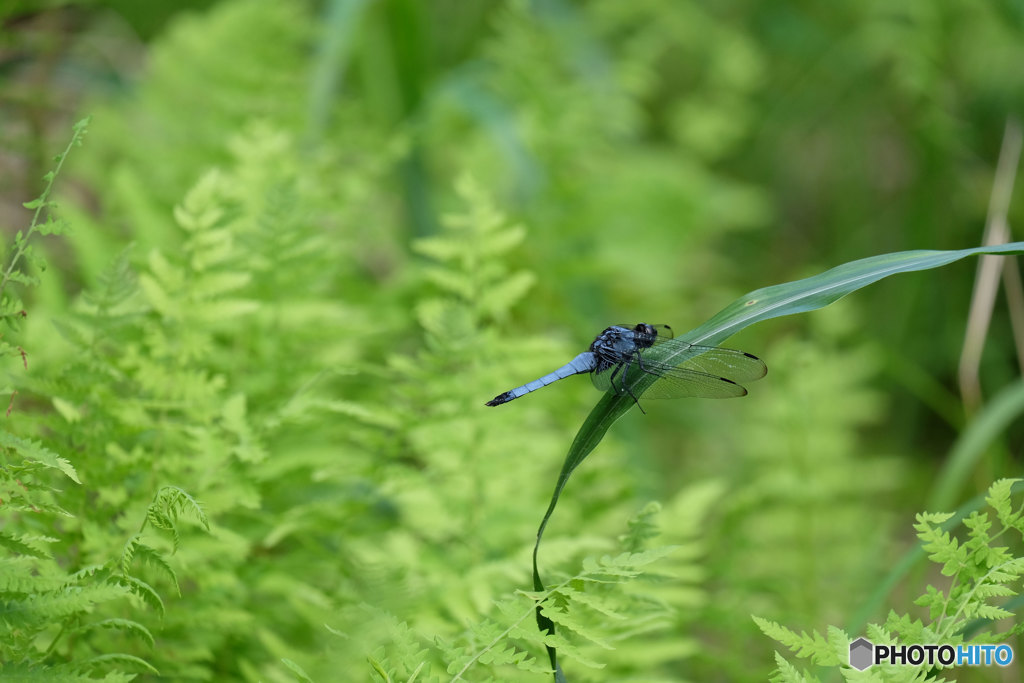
[{"x": 646, "y": 334}]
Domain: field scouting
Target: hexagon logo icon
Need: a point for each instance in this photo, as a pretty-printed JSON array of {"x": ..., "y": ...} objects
[{"x": 861, "y": 654}]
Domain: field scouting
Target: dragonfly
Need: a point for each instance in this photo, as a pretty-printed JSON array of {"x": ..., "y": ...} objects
[{"x": 623, "y": 359}]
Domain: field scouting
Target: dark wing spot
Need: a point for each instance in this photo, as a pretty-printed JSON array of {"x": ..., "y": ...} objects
[
  {"x": 750, "y": 355},
  {"x": 742, "y": 388}
]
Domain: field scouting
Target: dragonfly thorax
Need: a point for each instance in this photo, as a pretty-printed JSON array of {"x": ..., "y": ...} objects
[{"x": 618, "y": 344}]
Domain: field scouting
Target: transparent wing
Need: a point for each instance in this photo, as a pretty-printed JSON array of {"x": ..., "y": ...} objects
[
  {"x": 739, "y": 366},
  {"x": 675, "y": 383},
  {"x": 664, "y": 332},
  {"x": 693, "y": 371}
]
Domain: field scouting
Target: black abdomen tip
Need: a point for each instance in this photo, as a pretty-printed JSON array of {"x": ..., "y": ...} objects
[{"x": 501, "y": 398}]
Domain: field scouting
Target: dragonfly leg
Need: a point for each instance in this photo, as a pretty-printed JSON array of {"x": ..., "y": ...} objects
[
  {"x": 611, "y": 378},
  {"x": 625, "y": 389}
]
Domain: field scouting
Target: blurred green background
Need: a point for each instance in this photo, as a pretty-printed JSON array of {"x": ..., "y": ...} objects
[{"x": 636, "y": 161}]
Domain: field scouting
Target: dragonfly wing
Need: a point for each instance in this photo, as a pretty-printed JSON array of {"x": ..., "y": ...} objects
[
  {"x": 656, "y": 381},
  {"x": 738, "y": 366},
  {"x": 664, "y": 332},
  {"x": 680, "y": 383},
  {"x": 693, "y": 371},
  {"x": 603, "y": 380}
]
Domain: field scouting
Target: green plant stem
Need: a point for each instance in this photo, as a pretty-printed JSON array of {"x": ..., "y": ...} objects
[
  {"x": 40, "y": 203},
  {"x": 56, "y": 639}
]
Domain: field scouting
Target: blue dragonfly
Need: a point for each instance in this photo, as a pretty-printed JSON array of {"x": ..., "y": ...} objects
[{"x": 622, "y": 357}]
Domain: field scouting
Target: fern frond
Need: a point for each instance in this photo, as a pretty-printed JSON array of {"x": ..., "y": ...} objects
[
  {"x": 803, "y": 644},
  {"x": 24, "y": 574},
  {"x": 178, "y": 501},
  {"x": 141, "y": 589},
  {"x": 905, "y": 628},
  {"x": 23, "y": 544},
  {"x": 982, "y": 575},
  {"x": 115, "y": 288},
  {"x": 10, "y": 307},
  {"x": 169, "y": 504},
  {"x": 642, "y": 528},
  {"x": 105, "y": 660},
  {"x": 135, "y": 548},
  {"x": 569, "y": 621},
  {"x": 128, "y": 553},
  {"x": 468, "y": 252},
  {"x": 787, "y": 673},
  {"x": 297, "y": 670},
  {"x": 39, "y": 608},
  {"x": 28, "y": 451},
  {"x": 625, "y": 565},
  {"x": 57, "y": 674},
  {"x": 126, "y": 625},
  {"x": 998, "y": 499},
  {"x": 940, "y": 545},
  {"x": 88, "y": 571},
  {"x": 935, "y": 600},
  {"x": 516, "y": 625},
  {"x": 572, "y": 649}
]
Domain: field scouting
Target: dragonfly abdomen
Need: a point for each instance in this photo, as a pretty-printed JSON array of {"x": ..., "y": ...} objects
[{"x": 585, "y": 362}]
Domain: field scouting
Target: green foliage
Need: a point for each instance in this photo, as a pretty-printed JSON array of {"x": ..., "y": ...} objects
[
  {"x": 200, "y": 389},
  {"x": 48, "y": 602},
  {"x": 802, "y": 484},
  {"x": 616, "y": 610},
  {"x": 983, "y": 579},
  {"x": 255, "y": 447},
  {"x": 493, "y": 633},
  {"x": 978, "y": 570},
  {"x": 12, "y": 309}
]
